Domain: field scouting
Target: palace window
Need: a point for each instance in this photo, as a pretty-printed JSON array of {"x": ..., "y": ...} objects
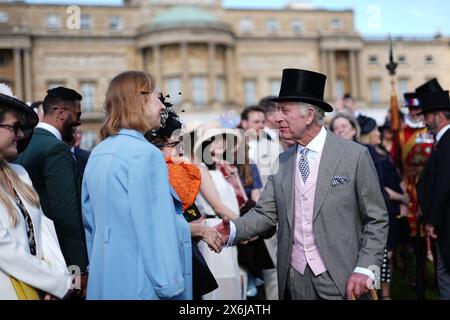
[
  {"x": 375, "y": 93},
  {"x": 246, "y": 25},
  {"x": 86, "y": 22},
  {"x": 275, "y": 85},
  {"x": 220, "y": 89},
  {"x": 250, "y": 92},
  {"x": 373, "y": 59},
  {"x": 89, "y": 140},
  {"x": 336, "y": 23},
  {"x": 53, "y": 21},
  {"x": 272, "y": 25},
  {"x": 173, "y": 85},
  {"x": 4, "y": 17},
  {"x": 403, "y": 86},
  {"x": 199, "y": 90},
  {"x": 297, "y": 25},
  {"x": 114, "y": 23},
  {"x": 88, "y": 92}
]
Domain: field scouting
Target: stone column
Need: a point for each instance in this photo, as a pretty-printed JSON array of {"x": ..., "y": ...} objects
[
  {"x": 211, "y": 72},
  {"x": 324, "y": 70},
  {"x": 230, "y": 75},
  {"x": 354, "y": 74},
  {"x": 28, "y": 75},
  {"x": 18, "y": 79},
  {"x": 157, "y": 64},
  {"x": 186, "y": 88},
  {"x": 332, "y": 74}
]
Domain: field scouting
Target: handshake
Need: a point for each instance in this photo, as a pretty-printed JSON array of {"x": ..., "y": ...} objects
[
  {"x": 77, "y": 290},
  {"x": 216, "y": 237}
]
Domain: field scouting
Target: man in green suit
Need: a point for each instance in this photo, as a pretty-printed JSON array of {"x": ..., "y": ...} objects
[{"x": 55, "y": 174}]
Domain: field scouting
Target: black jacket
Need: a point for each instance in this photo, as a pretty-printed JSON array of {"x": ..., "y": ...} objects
[{"x": 433, "y": 190}]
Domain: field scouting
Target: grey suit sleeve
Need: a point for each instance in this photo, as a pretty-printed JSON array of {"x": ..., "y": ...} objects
[
  {"x": 262, "y": 218},
  {"x": 373, "y": 213}
]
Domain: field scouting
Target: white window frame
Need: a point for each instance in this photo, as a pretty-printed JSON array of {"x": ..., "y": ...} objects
[
  {"x": 373, "y": 61},
  {"x": 272, "y": 25},
  {"x": 220, "y": 89},
  {"x": 115, "y": 23},
  {"x": 297, "y": 25},
  {"x": 4, "y": 17},
  {"x": 86, "y": 22},
  {"x": 53, "y": 21},
  {"x": 275, "y": 85},
  {"x": 375, "y": 95},
  {"x": 174, "y": 86},
  {"x": 246, "y": 25},
  {"x": 250, "y": 92},
  {"x": 336, "y": 23},
  {"x": 199, "y": 91},
  {"x": 89, "y": 139},
  {"x": 88, "y": 91}
]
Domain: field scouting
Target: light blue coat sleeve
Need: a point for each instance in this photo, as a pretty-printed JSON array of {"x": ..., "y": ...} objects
[
  {"x": 155, "y": 228},
  {"x": 88, "y": 218}
]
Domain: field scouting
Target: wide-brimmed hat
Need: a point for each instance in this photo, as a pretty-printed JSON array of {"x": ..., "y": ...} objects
[
  {"x": 412, "y": 98},
  {"x": 212, "y": 129},
  {"x": 434, "y": 101},
  {"x": 27, "y": 117},
  {"x": 303, "y": 86}
]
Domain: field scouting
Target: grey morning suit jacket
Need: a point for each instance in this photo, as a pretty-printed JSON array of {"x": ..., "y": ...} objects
[{"x": 350, "y": 217}]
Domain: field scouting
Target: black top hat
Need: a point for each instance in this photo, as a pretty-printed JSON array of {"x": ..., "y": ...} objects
[
  {"x": 412, "y": 98},
  {"x": 27, "y": 117},
  {"x": 434, "y": 101},
  {"x": 303, "y": 86},
  {"x": 430, "y": 86},
  {"x": 366, "y": 124}
]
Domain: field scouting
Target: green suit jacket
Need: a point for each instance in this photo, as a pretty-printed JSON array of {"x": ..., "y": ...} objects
[{"x": 57, "y": 180}]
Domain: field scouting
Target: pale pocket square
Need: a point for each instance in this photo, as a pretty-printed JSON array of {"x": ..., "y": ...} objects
[{"x": 339, "y": 180}]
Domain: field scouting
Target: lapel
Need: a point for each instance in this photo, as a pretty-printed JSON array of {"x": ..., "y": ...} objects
[
  {"x": 331, "y": 156},
  {"x": 287, "y": 185}
]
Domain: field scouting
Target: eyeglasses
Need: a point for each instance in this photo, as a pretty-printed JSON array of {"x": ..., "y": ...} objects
[
  {"x": 78, "y": 114},
  {"x": 13, "y": 127}
]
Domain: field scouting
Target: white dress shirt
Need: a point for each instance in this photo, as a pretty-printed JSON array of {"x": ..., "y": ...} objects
[
  {"x": 51, "y": 129},
  {"x": 442, "y": 132}
]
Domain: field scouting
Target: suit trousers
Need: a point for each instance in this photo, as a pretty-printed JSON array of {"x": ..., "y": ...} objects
[
  {"x": 311, "y": 287},
  {"x": 443, "y": 274}
]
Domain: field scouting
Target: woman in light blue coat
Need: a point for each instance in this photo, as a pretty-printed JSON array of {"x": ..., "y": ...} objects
[{"x": 138, "y": 241}]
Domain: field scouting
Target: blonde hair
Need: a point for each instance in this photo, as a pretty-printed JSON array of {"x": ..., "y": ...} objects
[
  {"x": 125, "y": 102},
  {"x": 25, "y": 191}
]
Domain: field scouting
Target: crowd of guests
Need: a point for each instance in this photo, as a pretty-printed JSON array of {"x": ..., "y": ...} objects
[{"x": 137, "y": 217}]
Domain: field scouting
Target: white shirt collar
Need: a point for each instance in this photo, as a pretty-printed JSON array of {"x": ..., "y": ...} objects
[
  {"x": 442, "y": 132},
  {"x": 51, "y": 129},
  {"x": 318, "y": 142},
  {"x": 272, "y": 133}
]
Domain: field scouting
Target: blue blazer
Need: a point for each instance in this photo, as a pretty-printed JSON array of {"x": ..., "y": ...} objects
[{"x": 139, "y": 243}]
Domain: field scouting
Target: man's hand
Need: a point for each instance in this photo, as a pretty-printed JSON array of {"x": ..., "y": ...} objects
[
  {"x": 213, "y": 238},
  {"x": 79, "y": 293},
  {"x": 357, "y": 285},
  {"x": 431, "y": 231},
  {"x": 224, "y": 229}
]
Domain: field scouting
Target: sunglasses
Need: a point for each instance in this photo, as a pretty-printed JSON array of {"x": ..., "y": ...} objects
[{"x": 14, "y": 127}]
